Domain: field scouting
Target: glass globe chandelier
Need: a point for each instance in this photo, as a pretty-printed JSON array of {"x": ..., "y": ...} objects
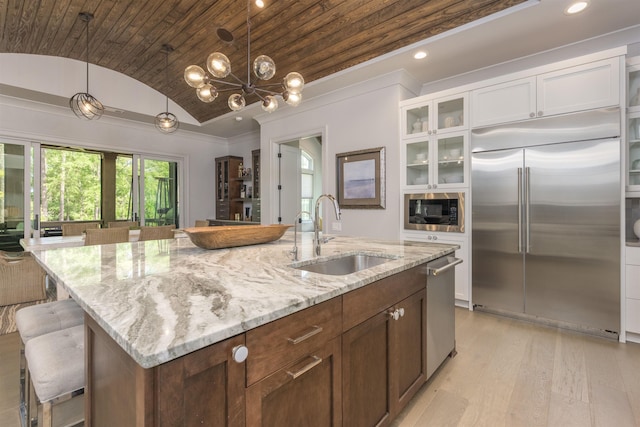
[
  {"x": 167, "y": 122},
  {"x": 83, "y": 104},
  {"x": 264, "y": 68}
]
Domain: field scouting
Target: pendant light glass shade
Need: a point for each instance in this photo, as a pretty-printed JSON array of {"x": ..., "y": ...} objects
[
  {"x": 86, "y": 106},
  {"x": 207, "y": 93},
  {"x": 236, "y": 102},
  {"x": 194, "y": 76},
  {"x": 264, "y": 67},
  {"x": 219, "y": 65},
  {"x": 293, "y": 82},
  {"x": 270, "y": 104},
  {"x": 167, "y": 122},
  {"x": 292, "y": 98},
  {"x": 83, "y": 104}
]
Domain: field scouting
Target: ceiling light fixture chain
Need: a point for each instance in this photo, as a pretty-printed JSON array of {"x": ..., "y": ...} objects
[
  {"x": 264, "y": 68},
  {"x": 166, "y": 122},
  {"x": 83, "y": 104}
]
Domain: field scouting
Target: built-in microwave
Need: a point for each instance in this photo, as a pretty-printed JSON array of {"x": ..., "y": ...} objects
[{"x": 434, "y": 212}]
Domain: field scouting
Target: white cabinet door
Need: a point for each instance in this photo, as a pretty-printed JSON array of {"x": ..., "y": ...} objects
[
  {"x": 505, "y": 102},
  {"x": 583, "y": 87}
]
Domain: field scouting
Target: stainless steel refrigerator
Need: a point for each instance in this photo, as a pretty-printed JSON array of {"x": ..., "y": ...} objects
[{"x": 546, "y": 199}]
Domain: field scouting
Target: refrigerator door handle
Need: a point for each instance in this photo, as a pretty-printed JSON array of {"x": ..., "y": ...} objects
[
  {"x": 519, "y": 210},
  {"x": 527, "y": 210}
]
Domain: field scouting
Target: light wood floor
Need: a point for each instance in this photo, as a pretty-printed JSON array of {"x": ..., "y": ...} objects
[{"x": 506, "y": 373}]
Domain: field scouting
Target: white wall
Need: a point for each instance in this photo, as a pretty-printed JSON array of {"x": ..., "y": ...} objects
[
  {"x": 355, "y": 118},
  {"x": 33, "y": 121}
]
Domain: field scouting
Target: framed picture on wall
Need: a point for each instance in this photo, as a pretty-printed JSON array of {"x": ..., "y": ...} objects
[{"x": 361, "y": 179}]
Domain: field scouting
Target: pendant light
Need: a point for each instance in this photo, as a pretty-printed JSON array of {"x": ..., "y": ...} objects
[
  {"x": 207, "y": 86},
  {"x": 166, "y": 122},
  {"x": 83, "y": 104}
]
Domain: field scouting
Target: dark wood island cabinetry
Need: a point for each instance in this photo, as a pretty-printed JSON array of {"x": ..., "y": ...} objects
[{"x": 354, "y": 360}]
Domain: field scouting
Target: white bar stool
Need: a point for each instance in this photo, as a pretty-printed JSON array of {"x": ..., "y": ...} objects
[
  {"x": 56, "y": 366},
  {"x": 37, "y": 320}
]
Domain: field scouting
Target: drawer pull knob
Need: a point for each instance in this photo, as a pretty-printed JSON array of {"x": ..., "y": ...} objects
[
  {"x": 315, "y": 330},
  {"x": 240, "y": 353},
  {"x": 316, "y": 361}
]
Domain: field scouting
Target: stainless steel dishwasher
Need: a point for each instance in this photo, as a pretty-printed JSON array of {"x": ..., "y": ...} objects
[{"x": 441, "y": 324}]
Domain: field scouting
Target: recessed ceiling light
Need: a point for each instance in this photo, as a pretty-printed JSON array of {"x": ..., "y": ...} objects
[
  {"x": 260, "y": 3},
  {"x": 421, "y": 54},
  {"x": 576, "y": 7}
]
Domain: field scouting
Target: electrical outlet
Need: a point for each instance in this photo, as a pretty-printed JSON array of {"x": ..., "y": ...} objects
[{"x": 336, "y": 226}]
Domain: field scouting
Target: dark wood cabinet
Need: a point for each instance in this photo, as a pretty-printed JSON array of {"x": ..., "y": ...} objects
[
  {"x": 384, "y": 356},
  {"x": 294, "y": 370},
  {"x": 228, "y": 186},
  {"x": 305, "y": 393},
  {"x": 201, "y": 388}
]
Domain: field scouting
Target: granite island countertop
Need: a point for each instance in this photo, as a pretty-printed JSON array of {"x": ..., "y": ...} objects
[{"x": 162, "y": 299}]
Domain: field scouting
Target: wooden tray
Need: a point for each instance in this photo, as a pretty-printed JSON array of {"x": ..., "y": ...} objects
[{"x": 229, "y": 236}]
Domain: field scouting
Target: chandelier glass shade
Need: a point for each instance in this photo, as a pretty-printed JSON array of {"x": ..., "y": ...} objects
[
  {"x": 209, "y": 85},
  {"x": 84, "y": 105},
  {"x": 167, "y": 122}
]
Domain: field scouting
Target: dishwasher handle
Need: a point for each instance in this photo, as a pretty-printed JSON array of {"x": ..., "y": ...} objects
[{"x": 435, "y": 271}]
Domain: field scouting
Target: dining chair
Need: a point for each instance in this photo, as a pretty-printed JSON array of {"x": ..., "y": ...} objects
[
  {"x": 157, "y": 233},
  {"x": 21, "y": 278},
  {"x": 202, "y": 223},
  {"x": 76, "y": 229},
  {"x": 102, "y": 236},
  {"x": 123, "y": 224}
]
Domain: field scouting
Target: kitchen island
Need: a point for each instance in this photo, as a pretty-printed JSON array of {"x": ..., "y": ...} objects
[{"x": 182, "y": 318}]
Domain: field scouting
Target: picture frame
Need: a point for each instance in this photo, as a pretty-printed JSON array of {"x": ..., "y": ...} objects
[{"x": 361, "y": 179}]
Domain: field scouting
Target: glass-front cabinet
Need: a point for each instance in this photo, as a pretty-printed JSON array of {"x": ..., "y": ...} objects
[
  {"x": 437, "y": 161},
  {"x": 435, "y": 141},
  {"x": 633, "y": 124},
  {"x": 429, "y": 117}
]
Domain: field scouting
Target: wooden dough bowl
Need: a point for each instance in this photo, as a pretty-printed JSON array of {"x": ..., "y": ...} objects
[{"x": 218, "y": 237}]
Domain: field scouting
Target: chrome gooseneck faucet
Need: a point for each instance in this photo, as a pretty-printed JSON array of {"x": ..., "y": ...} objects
[
  {"x": 294, "y": 251},
  {"x": 316, "y": 220}
]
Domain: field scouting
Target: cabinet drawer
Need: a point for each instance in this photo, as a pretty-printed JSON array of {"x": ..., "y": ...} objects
[
  {"x": 633, "y": 315},
  {"x": 286, "y": 340},
  {"x": 632, "y": 255},
  {"x": 633, "y": 281},
  {"x": 363, "y": 303}
]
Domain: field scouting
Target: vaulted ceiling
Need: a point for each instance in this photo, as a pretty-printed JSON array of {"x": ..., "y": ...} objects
[{"x": 314, "y": 37}]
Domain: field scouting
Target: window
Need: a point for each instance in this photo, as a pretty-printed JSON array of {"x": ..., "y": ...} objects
[
  {"x": 306, "y": 183},
  {"x": 71, "y": 185}
]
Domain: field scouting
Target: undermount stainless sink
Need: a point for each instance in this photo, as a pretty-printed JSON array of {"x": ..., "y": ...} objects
[{"x": 345, "y": 265}]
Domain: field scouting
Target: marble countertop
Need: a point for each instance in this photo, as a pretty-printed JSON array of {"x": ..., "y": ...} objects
[
  {"x": 162, "y": 299},
  {"x": 54, "y": 242}
]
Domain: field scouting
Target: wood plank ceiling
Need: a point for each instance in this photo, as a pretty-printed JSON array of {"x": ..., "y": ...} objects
[{"x": 314, "y": 37}]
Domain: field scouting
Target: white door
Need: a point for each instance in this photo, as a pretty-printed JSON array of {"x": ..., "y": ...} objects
[{"x": 289, "y": 185}]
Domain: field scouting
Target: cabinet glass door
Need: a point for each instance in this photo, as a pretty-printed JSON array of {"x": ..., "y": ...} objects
[
  {"x": 633, "y": 136},
  {"x": 451, "y": 159},
  {"x": 416, "y": 120},
  {"x": 450, "y": 113},
  {"x": 634, "y": 90},
  {"x": 417, "y": 163}
]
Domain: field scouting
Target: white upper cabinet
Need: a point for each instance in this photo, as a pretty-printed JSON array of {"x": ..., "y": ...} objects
[
  {"x": 503, "y": 103},
  {"x": 423, "y": 116},
  {"x": 435, "y": 142},
  {"x": 582, "y": 87}
]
